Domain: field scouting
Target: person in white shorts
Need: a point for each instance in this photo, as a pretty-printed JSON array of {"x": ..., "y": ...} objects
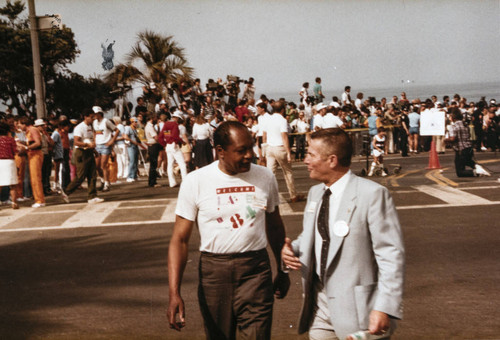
[{"x": 378, "y": 143}]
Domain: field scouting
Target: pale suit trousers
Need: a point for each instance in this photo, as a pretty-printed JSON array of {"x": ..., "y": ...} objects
[
  {"x": 174, "y": 152},
  {"x": 277, "y": 155}
]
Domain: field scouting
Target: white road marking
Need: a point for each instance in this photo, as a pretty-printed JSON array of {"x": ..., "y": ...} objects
[
  {"x": 452, "y": 195},
  {"x": 169, "y": 212},
  {"x": 93, "y": 215},
  {"x": 431, "y": 206},
  {"x": 481, "y": 188}
]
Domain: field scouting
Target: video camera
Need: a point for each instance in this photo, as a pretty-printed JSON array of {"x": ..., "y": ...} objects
[
  {"x": 121, "y": 88},
  {"x": 213, "y": 86},
  {"x": 231, "y": 78}
]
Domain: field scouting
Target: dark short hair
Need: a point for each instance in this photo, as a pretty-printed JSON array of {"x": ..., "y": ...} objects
[
  {"x": 278, "y": 106},
  {"x": 222, "y": 135},
  {"x": 262, "y": 105},
  {"x": 336, "y": 142},
  {"x": 63, "y": 123},
  {"x": 4, "y": 129},
  {"x": 456, "y": 113},
  {"x": 26, "y": 120},
  {"x": 87, "y": 112}
]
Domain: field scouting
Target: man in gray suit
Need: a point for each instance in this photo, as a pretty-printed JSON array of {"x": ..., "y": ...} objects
[{"x": 350, "y": 252}]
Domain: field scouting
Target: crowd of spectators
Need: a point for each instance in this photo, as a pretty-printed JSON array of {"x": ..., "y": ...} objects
[{"x": 171, "y": 133}]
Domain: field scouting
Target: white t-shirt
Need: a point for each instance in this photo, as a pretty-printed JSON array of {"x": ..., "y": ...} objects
[
  {"x": 275, "y": 125},
  {"x": 300, "y": 125},
  {"x": 317, "y": 121},
  {"x": 230, "y": 210},
  {"x": 331, "y": 121},
  {"x": 85, "y": 132},
  {"x": 103, "y": 130},
  {"x": 261, "y": 120},
  {"x": 345, "y": 98},
  {"x": 334, "y": 104},
  {"x": 201, "y": 131}
]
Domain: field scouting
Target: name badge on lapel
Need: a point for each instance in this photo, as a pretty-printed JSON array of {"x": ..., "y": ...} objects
[{"x": 340, "y": 228}]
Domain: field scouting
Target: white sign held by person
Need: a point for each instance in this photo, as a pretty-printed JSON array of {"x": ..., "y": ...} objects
[{"x": 432, "y": 123}]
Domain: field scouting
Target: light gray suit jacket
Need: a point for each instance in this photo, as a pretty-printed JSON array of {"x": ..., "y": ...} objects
[{"x": 365, "y": 268}]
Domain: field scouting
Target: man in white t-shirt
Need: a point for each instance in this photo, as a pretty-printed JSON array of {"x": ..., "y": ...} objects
[
  {"x": 83, "y": 158},
  {"x": 318, "y": 117},
  {"x": 235, "y": 204},
  {"x": 278, "y": 148},
  {"x": 105, "y": 136},
  {"x": 346, "y": 96},
  {"x": 262, "y": 116},
  {"x": 331, "y": 120}
]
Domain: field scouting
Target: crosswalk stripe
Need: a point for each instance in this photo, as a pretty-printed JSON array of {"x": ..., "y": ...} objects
[
  {"x": 93, "y": 215},
  {"x": 452, "y": 195}
]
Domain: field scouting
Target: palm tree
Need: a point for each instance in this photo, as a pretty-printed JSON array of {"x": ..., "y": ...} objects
[{"x": 154, "y": 58}]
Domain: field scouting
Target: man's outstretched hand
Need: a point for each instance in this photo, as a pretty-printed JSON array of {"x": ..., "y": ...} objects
[{"x": 288, "y": 257}]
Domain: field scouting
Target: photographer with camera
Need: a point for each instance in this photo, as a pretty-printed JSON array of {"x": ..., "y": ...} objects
[
  {"x": 197, "y": 96},
  {"x": 152, "y": 96},
  {"x": 233, "y": 89},
  {"x": 249, "y": 90}
]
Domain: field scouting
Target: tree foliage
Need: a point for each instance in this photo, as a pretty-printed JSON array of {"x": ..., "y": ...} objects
[
  {"x": 153, "y": 58},
  {"x": 58, "y": 49}
]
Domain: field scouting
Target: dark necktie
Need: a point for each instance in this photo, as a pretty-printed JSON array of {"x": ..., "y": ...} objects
[{"x": 323, "y": 230}]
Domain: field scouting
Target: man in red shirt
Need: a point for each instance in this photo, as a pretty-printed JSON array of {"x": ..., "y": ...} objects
[
  {"x": 241, "y": 110},
  {"x": 170, "y": 138}
]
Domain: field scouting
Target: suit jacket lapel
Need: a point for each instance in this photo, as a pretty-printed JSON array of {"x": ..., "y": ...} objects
[{"x": 346, "y": 209}]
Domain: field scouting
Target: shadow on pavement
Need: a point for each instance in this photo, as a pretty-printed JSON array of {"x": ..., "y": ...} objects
[{"x": 73, "y": 285}]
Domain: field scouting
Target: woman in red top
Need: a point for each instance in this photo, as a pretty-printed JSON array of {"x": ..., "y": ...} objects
[{"x": 8, "y": 169}]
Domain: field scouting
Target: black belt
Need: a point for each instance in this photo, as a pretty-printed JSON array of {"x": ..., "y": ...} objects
[{"x": 251, "y": 253}]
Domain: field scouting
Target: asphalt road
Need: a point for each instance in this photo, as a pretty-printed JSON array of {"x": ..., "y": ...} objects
[{"x": 99, "y": 272}]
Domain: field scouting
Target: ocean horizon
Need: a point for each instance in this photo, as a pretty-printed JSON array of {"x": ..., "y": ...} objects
[{"x": 471, "y": 91}]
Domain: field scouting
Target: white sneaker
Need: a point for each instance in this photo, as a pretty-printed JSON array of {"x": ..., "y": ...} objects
[
  {"x": 384, "y": 174},
  {"x": 95, "y": 200},
  {"x": 483, "y": 148},
  {"x": 38, "y": 205},
  {"x": 480, "y": 171},
  {"x": 106, "y": 187},
  {"x": 8, "y": 202},
  {"x": 64, "y": 196},
  {"x": 130, "y": 180}
]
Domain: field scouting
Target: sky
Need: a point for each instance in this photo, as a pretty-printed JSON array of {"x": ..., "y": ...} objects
[{"x": 282, "y": 44}]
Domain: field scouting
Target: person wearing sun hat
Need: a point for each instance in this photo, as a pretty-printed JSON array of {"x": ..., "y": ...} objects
[{"x": 35, "y": 158}]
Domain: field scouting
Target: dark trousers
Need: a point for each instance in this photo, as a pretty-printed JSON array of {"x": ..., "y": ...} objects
[
  {"x": 66, "y": 172},
  {"x": 403, "y": 143},
  {"x": 46, "y": 171},
  {"x": 85, "y": 169},
  {"x": 153, "y": 151},
  {"x": 462, "y": 159},
  {"x": 236, "y": 293},
  {"x": 478, "y": 130},
  {"x": 300, "y": 147}
]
